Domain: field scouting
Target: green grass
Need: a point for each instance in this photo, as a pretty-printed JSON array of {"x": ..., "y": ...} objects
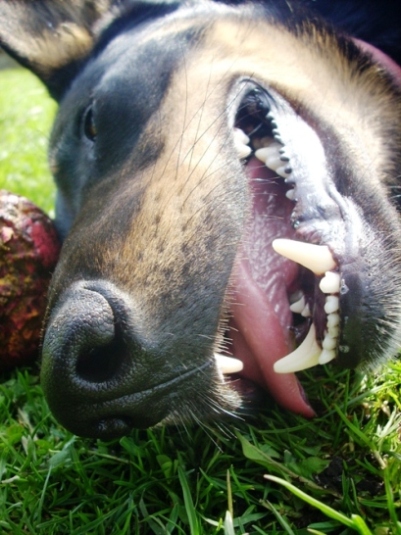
[
  {"x": 25, "y": 120},
  {"x": 338, "y": 474}
]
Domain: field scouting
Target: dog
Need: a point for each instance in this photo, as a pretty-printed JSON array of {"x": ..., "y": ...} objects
[{"x": 228, "y": 179}]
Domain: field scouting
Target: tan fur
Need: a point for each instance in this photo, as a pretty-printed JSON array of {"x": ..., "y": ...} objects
[
  {"x": 73, "y": 40},
  {"x": 187, "y": 173},
  {"x": 67, "y": 37}
]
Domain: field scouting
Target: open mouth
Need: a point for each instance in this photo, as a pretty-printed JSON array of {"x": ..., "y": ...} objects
[
  {"x": 302, "y": 291},
  {"x": 284, "y": 297}
]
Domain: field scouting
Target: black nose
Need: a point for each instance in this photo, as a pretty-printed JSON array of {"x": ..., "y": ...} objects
[{"x": 94, "y": 376}]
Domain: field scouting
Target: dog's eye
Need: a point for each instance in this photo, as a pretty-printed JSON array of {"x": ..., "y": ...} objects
[{"x": 89, "y": 127}]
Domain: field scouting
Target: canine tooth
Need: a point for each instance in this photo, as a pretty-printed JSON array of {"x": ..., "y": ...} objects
[
  {"x": 326, "y": 356},
  {"x": 332, "y": 304},
  {"x": 305, "y": 356},
  {"x": 317, "y": 258},
  {"x": 228, "y": 364},
  {"x": 298, "y": 306},
  {"x": 241, "y": 141},
  {"x": 290, "y": 194},
  {"x": 330, "y": 284}
]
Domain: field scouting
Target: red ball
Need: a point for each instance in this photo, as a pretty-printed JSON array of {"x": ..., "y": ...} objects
[{"x": 29, "y": 249}]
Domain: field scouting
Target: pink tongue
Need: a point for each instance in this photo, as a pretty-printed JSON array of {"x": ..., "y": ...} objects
[
  {"x": 260, "y": 329},
  {"x": 259, "y": 341}
]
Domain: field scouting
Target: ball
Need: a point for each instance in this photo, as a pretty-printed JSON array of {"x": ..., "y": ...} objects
[{"x": 29, "y": 249}]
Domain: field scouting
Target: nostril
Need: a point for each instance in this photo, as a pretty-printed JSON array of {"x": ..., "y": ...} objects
[
  {"x": 100, "y": 364},
  {"x": 80, "y": 343}
]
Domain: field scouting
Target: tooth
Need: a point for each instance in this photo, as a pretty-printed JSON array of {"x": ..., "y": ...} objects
[
  {"x": 241, "y": 141},
  {"x": 317, "y": 258},
  {"x": 326, "y": 356},
  {"x": 298, "y": 306},
  {"x": 330, "y": 284},
  {"x": 271, "y": 154},
  {"x": 240, "y": 136},
  {"x": 305, "y": 356},
  {"x": 243, "y": 151},
  {"x": 283, "y": 170},
  {"x": 332, "y": 304},
  {"x": 333, "y": 320},
  {"x": 290, "y": 194},
  {"x": 329, "y": 342},
  {"x": 306, "y": 313},
  {"x": 333, "y": 331},
  {"x": 228, "y": 364},
  {"x": 272, "y": 161}
]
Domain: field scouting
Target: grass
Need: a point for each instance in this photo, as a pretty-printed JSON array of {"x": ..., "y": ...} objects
[
  {"x": 25, "y": 120},
  {"x": 338, "y": 474}
]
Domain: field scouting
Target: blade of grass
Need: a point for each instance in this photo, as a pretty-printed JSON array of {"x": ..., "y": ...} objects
[
  {"x": 282, "y": 521},
  {"x": 189, "y": 504},
  {"x": 356, "y": 522},
  {"x": 255, "y": 454},
  {"x": 390, "y": 502}
]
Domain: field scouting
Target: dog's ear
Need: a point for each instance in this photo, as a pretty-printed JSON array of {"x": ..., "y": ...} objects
[{"x": 51, "y": 37}]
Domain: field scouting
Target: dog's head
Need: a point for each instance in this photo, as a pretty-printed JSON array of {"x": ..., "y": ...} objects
[{"x": 227, "y": 185}]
